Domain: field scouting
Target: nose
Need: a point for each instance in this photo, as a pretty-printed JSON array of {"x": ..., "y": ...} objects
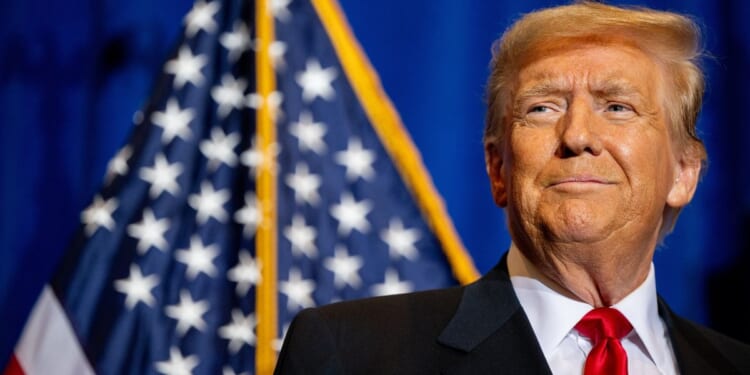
[{"x": 578, "y": 130}]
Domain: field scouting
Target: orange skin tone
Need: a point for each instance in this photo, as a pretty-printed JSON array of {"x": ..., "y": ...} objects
[{"x": 586, "y": 169}]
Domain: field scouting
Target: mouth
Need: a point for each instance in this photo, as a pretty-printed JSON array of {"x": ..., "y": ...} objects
[{"x": 579, "y": 181}]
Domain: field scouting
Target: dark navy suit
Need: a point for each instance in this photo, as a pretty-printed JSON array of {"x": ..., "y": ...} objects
[{"x": 477, "y": 329}]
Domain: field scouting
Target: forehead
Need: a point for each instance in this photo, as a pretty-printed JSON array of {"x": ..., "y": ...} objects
[{"x": 610, "y": 68}]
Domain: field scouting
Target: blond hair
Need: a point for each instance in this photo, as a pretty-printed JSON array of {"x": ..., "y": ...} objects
[{"x": 669, "y": 38}]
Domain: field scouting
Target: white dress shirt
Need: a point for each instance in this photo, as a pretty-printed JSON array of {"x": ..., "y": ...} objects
[{"x": 553, "y": 317}]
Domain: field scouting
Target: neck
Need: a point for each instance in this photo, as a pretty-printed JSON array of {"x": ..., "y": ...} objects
[{"x": 598, "y": 284}]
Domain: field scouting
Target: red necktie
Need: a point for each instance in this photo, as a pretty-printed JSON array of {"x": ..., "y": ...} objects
[{"x": 605, "y": 327}]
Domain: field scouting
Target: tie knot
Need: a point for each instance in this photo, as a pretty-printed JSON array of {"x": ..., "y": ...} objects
[{"x": 604, "y": 322}]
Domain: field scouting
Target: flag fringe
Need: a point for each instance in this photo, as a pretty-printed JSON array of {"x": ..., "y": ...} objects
[
  {"x": 266, "y": 242},
  {"x": 396, "y": 141}
]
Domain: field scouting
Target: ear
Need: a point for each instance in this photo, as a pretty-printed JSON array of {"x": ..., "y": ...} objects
[
  {"x": 493, "y": 157},
  {"x": 687, "y": 175}
]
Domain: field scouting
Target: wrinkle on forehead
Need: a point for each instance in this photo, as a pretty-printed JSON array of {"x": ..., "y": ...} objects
[
  {"x": 610, "y": 85},
  {"x": 540, "y": 78}
]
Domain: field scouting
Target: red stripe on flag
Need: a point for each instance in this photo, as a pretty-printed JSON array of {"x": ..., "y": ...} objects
[{"x": 14, "y": 368}]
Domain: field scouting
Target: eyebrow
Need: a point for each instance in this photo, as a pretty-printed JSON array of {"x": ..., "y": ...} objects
[
  {"x": 608, "y": 87},
  {"x": 543, "y": 87},
  {"x": 615, "y": 87}
]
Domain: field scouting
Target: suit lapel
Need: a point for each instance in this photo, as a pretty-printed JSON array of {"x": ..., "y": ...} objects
[
  {"x": 490, "y": 333},
  {"x": 492, "y": 330}
]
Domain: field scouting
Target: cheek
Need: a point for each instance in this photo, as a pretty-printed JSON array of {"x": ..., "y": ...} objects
[
  {"x": 647, "y": 164},
  {"x": 530, "y": 149},
  {"x": 526, "y": 158}
]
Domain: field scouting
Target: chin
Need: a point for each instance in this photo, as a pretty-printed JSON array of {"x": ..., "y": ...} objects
[
  {"x": 579, "y": 235},
  {"x": 578, "y": 224}
]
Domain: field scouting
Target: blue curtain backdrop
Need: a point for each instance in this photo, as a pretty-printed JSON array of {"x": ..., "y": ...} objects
[{"x": 72, "y": 73}]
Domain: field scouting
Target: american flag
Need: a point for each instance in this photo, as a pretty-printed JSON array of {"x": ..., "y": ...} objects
[{"x": 268, "y": 173}]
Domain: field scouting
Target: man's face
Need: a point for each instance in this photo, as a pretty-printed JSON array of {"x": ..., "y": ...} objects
[{"x": 587, "y": 155}]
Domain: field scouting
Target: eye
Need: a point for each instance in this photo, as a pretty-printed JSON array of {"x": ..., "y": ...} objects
[
  {"x": 539, "y": 109},
  {"x": 615, "y": 107}
]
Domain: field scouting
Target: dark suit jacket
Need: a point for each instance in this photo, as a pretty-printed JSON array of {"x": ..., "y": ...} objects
[{"x": 477, "y": 329}]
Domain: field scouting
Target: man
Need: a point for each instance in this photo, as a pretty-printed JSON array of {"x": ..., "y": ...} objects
[{"x": 592, "y": 151}]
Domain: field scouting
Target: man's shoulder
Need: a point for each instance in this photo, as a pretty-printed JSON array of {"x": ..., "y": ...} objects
[
  {"x": 382, "y": 334},
  {"x": 720, "y": 339},
  {"x": 697, "y": 345},
  {"x": 406, "y": 308}
]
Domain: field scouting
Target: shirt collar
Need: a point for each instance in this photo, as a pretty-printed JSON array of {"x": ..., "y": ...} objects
[
  {"x": 552, "y": 315},
  {"x": 641, "y": 307}
]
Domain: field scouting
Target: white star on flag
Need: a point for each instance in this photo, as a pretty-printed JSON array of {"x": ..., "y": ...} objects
[
  {"x": 137, "y": 288},
  {"x": 304, "y": 184},
  {"x": 302, "y": 237},
  {"x": 174, "y": 121},
  {"x": 186, "y": 67},
  {"x": 229, "y": 371},
  {"x": 351, "y": 214},
  {"x": 298, "y": 291},
  {"x": 273, "y": 101},
  {"x": 237, "y": 41},
  {"x": 357, "y": 160},
  {"x": 279, "y": 342},
  {"x": 118, "y": 166},
  {"x": 245, "y": 273},
  {"x": 252, "y": 157},
  {"x": 177, "y": 364},
  {"x": 188, "y": 313},
  {"x": 309, "y": 133},
  {"x": 201, "y": 17},
  {"x": 99, "y": 214},
  {"x": 162, "y": 176},
  {"x": 149, "y": 232},
  {"x": 255, "y": 157},
  {"x": 279, "y": 9},
  {"x": 209, "y": 203},
  {"x": 229, "y": 95},
  {"x": 316, "y": 81},
  {"x": 391, "y": 285},
  {"x": 220, "y": 148},
  {"x": 400, "y": 241},
  {"x": 198, "y": 258},
  {"x": 276, "y": 51},
  {"x": 240, "y": 331},
  {"x": 250, "y": 215},
  {"x": 345, "y": 268}
]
